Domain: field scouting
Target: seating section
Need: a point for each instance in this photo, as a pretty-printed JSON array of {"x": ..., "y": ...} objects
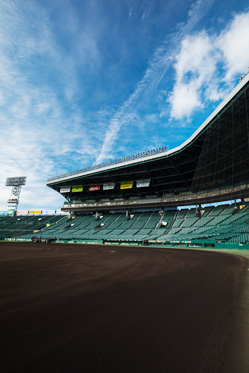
[
  {"x": 223, "y": 223},
  {"x": 17, "y": 226}
]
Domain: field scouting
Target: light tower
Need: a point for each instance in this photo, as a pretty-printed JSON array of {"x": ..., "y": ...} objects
[{"x": 13, "y": 201}]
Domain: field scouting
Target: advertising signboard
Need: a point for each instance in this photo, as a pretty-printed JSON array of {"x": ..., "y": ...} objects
[
  {"x": 126, "y": 184},
  {"x": 77, "y": 188},
  {"x": 94, "y": 187},
  {"x": 35, "y": 212},
  {"x": 108, "y": 186},
  {"x": 143, "y": 183},
  {"x": 65, "y": 190},
  {"x": 10, "y": 212},
  {"x": 48, "y": 212}
]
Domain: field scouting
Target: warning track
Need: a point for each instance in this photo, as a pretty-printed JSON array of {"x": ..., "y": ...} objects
[{"x": 116, "y": 309}]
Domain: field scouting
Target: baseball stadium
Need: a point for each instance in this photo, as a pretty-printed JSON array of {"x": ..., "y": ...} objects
[{"x": 146, "y": 270}]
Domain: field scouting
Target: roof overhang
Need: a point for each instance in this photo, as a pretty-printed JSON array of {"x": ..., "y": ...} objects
[{"x": 222, "y": 106}]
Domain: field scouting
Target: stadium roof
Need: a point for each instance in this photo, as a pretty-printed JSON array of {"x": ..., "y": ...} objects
[{"x": 212, "y": 165}]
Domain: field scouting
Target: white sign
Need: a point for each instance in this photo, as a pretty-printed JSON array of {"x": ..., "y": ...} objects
[
  {"x": 143, "y": 183},
  {"x": 108, "y": 186},
  {"x": 22, "y": 212},
  {"x": 49, "y": 212},
  {"x": 65, "y": 190}
]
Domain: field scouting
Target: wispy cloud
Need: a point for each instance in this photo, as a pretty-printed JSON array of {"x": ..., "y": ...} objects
[
  {"x": 160, "y": 63},
  {"x": 42, "y": 131}
]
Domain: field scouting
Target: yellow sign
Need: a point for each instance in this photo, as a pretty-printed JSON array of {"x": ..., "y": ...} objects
[
  {"x": 126, "y": 184},
  {"x": 38, "y": 212},
  {"x": 77, "y": 188}
]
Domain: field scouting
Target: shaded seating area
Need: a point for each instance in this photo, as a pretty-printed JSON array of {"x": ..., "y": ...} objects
[
  {"x": 18, "y": 226},
  {"x": 223, "y": 223}
]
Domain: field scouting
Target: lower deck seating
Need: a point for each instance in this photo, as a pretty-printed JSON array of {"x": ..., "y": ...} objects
[
  {"x": 29, "y": 226},
  {"x": 225, "y": 223}
]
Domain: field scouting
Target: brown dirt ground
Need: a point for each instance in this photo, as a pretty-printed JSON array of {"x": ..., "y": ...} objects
[{"x": 81, "y": 308}]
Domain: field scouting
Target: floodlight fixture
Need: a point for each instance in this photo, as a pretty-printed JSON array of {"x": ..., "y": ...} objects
[
  {"x": 16, "y": 184},
  {"x": 16, "y": 181}
]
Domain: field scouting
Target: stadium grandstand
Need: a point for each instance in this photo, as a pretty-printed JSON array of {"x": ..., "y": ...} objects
[{"x": 145, "y": 198}]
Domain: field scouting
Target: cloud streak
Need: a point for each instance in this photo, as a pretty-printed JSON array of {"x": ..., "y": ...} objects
[{"x": 158, "y": 66}]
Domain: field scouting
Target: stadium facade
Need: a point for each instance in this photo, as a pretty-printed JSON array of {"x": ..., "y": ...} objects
[{"x": 211, "y": 166}]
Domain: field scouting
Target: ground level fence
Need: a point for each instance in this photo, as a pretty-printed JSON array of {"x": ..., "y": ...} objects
[{"x": 190, "y": 244}]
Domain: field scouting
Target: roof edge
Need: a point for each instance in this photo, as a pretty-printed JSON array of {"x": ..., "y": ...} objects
[{"x": 243, "y": 82}]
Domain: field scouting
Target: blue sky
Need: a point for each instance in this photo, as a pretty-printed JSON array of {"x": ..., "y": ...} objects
[{"x": 87, "y": 81}]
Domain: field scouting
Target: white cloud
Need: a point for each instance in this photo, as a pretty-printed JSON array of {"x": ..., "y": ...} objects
[
  {"x": 206, "y": 66},
  {"x": 184, "y": 100},
  {"x": 234, "y": 44},
  {"x": 195, "y": 58},
  {"x": 195, "y": 65}
]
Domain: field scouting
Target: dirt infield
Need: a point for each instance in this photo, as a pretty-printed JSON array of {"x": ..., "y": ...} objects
[{"x": 75, "y": 308}]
